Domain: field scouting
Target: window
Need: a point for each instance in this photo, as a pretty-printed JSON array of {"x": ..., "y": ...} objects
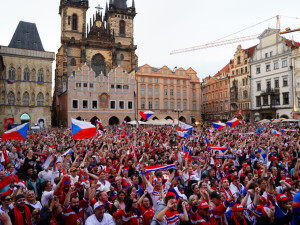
[
  {"x": 69, "y": 20},
  {"x": 78, "y": 84},
  {"x": 171, "y": 92},
  {"x": 74, "y": 22},
  {"x": 268, "y": 67},
  {"x": 194, "y": 107},
  {"x": 297, "y": 64},
  {"x": 276, "y": 66},
  {"x": 112, "y": 104},
  {"x": 180, "y": 73},
  {"x": 165, "y": 81},
  {"x": 284, "y": 63},
  {"x": 26, "y": 99},
  {"x": 99, "y": 65},
  {"x": 298, "y": 100},
  {"x": 194, "y": 95},
  {"x": 221, "y": 107},
  {"x": 268, "y": 86},
  {"x": 157, "y": 105},
  {"x": 26, "y": 74},
  {"x": 142, "y": 79},
  {"x": 242, "y": 70},
  {"x": 142, "y": 90},
  {"x": 217, "y": 108},
  {"x": 247, "y": 105},
  {"x": 271, "y": 54},
  {"x": 221, "y": 84},
  {"x": 143, "y": 105},
  {"x": 156, "y": 90},
  {"x": 178, "y": 93},
  {"x": 171, "y": 81},
  {"x": 172, "y": 105},
  {"x": 257, "y": 70},
  {"x": 265, "y": 100},
  {"x": 122, "y": 27},
  {"x": 258, "y": 86},
  {"x": 11, "y": 98},
  {"x": 165, "y": 105},
  {"x": 129, "y": 105},
  {"x": 146, "y": 70},
  {"x": 258, "y": 101},
  {"x": 165, "y": 72},
  {"x": 266, "y": 55},
  {"x": 11, "y": 73},
  {"x": 112, "y": 86},
  {"x": 91, "y": 85},
  {"x": 150, "y": 92},
  {"x": 178, "y": 82},
  {"x": 184, "y": 105},
  {"x": 150, "y": 104},
  {"x": 276, "y": 83},
  {"x": 232, "y": 72},
  {"x": 221, "y": 95},
  {"x": 178, "y": 105},
  {"x": 236, "y": 71},
  {"x": 285, "y": 82},
  {"x": 73, "y": 62},
  {"x": 150, "y": 79},
  {"x": 239, "y": 60},
  {"x": 285, "y": 98},
  {"x": 156, "y": 80},
  {"x": 85, "y": 104},
  {"x": 184, "y": 82},
  {"x": 85, "y": 85},
  {"x": 277, "y": 100},
  {"x": 165, "y": 92},
  {"x": 245, "y": 94},
  {"x": 246, "y": 69},
  {"x": 121, "y": 105},
  {"x": 40, "y": 99},
  {"x": 243, "y": 82},
  {"x": 184, "y": 93},
  {"x": 75, "y": 104},
  {"x": 94, "y": 104},
  {"x": 193, "y": 85}
]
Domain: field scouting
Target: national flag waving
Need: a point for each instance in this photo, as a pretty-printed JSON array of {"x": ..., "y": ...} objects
[
  {"x": 233, "y": 123},
  {"x": 243, "y": 122},
  {"x": 67, "y": 152},
  {"x": 133, "y": 149},
  {"x": 188, "y": 155},
  {"x": 173, "y": 123},
  {"x": 207, "y": 142},
  {"x": 184, "y": 127},
  {"x": 216, "y": 148},
  {"x": 149, "y": 169},
  {"x": 219, "y": 126},
  {"x": 47, "y": 162},
  {"x": 146, "y": 115},
  {"x": 82, "y": 130},
  {"x": 288, "y": 130},
  {"x": 124, "y": 122},
  {"x": 277, "y": 133},
  {"x": 17, "y": 133},
  {"x": 10, "y": 81},
  {"x": 99, "y": 125}
]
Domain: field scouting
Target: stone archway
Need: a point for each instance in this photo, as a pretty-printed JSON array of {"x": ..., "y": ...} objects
[
  {"x": 155, "y": 118},
  {"x": 182, "y": 119},
  {"x": 284, "y": 116},
  {"x": 168, "y": 118},
  {"x": 94, "y": 119},
  {"x": 113, "y": 121},
  {"x": 127, "y": 119},
  {"x": 79, "y": 118}
]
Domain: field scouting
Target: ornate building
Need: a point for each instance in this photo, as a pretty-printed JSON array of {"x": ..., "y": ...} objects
[
  {"x": 215, "y": 97},
  {"x": 109, "y": 98},
  {"x": 26, "y": 79},
  {"x": 163, "y": 91}
]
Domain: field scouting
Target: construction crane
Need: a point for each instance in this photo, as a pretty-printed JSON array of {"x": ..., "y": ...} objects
[{"x": 234, "y": 40}]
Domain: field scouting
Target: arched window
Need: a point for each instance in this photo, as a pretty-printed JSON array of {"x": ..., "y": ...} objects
[
  {"x": 41, "y": 75},
  {"x": 74, "y": 22},
  {"x": 122, "y": 27},
  {"x": 98, "y": 64},
  {"x": 11, "y": 98},
  {"x": 26, "y": 98},
  {"x": 11, "y": 73},
  {"x": 40, "y": 99},
  {"x": 26, "y": 74},
  {"x": 73, "y": 62}
]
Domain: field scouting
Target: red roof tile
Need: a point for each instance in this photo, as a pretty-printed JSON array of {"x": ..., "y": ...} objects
[
  {"x": 290, "y": 43},
  {"x": 250, "y": 51},
  {"x": 224, "y": 69}
]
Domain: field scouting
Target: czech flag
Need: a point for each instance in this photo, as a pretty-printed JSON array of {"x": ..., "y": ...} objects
[
  {"x": 219, "y": 126},
  {"x": 277, "y": 133},
  {"x": 99, "y": 125},
  {"x": 17, "y": 133},
  {"x": 10, "y": 82},
  {"x": 207, "y": 142},
  {"x": 146, "y": 115},
  {"x": 243, "y": 122},
  {"x": 188, "y": 155},
  {"x": 149, "y": 169},
  {"x": 124, "y": 123},
  {"x": 184, "y": 127},
  {"x": 233, "y": 123},
  {"x": 216, "y": 148},
  {"x": 82, "y": 130},
  {"x": 287, "y": 130}
]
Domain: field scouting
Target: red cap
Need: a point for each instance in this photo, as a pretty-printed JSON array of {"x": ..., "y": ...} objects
[
  {"x": 245, "y": 165},
  {"x": 234, "y": 177},
  {"x": 260, "y": 171},
  {"x": 226, "y": 167},
  {"x": 288, "y": 180},
  {"x": 281, "y": 198},
  {"x": 102, "y": 159},
  {"x": 170, "y": 194},
  {"x": 223, "y": 180},
  {"x": 237, "y": 208},
  {"x": 273, "y": 158},
  {"x": 203, "y": 205}
]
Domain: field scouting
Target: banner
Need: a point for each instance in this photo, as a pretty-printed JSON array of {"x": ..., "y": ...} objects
[{"x": 8, "y": 121}]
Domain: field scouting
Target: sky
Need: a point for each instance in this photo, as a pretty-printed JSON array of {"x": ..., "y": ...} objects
[{"x": 165, "y": 25}]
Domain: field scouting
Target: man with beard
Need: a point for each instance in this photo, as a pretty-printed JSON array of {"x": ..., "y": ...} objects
[
  {"x": 100, "y": 217},
  {"x": 22, "y": 213},
  {"x": 73, "y": 213}
]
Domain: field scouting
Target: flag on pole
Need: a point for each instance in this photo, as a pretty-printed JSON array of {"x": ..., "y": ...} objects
[
  {"x": 82, "y": 130},
  {"x": 10, "y": 81},
  {"x": 17, "y": 133},
  {"x": 67, "y": 152},
  {"x": 47, "y": 162},
  {"x": 184, "y": 127},
  {"x": 146, "y": 115},
  {"x": 232, "y": 123},
  {"x": 124, "y": 123},
  {"x": 99, "y": 123},
  {"x": 219, "y": 126}
]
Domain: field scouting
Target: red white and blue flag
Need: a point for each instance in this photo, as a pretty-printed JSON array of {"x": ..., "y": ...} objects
[
  {"x": 124, "y": 122},
  {"x": 288, "y": 130},
  {"x": 82, "y": 130},
  {"x": 277, "y": 133},
  {"x": 233, "y": 123},
  {"x": 184, "y": 127},
  {"x": 173, "y": 123},
  {"x": 134, "y": 152},
  {"x": 146, "y": 115},
  {"x": 99, "y": 123},
  {"x": 207, "y": 142},
  {"x": 149, "y": 169},
  {"x": 243, "y": 122},
  {"x": 219, "y": 126},
  {"x": 10, "y": 81},
  {"x": 216, "y": 148},
  {"x": 17, "y": 133}
]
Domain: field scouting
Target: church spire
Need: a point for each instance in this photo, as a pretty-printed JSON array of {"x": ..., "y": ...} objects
[{"x": 133, "y": 4}]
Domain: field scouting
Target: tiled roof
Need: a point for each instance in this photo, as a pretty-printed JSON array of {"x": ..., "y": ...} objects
[
  {"x": 26, "y": 36},
  {"x": 225, "y": 68},
  {"x": 291, "y": 43},
  {"x": 250, "y": 51}
]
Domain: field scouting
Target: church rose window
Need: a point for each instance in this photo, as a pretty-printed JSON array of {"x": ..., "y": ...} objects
[{"x": 98, "y": 64}]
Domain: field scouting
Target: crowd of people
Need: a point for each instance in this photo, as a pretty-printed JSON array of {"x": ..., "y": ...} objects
[{"x": 152, "y": 175}]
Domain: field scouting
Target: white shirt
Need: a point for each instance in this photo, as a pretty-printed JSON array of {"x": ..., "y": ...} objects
[
  {"x": 106, "y": 184},
  {"x": 107, "y": 220},
  {"x": 45, "y": 176},
  {"x": 46, "y": 196},
  {"x": 36, "y": 205}
]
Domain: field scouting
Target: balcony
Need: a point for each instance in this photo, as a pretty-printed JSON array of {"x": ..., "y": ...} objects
[{"x": 270, "y": 91}]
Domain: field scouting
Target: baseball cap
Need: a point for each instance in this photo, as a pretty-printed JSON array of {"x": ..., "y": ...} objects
[
  {"x": 98, "y": 204},
  {"x": 273, "y": 158},
  {"x": 215, "y": 194},
  {"x": 180, "y": 187},
  {"x": 203, "y": 205},
  {"x": 237, "y": 208},
  {"x": 170, "y": 194},
  {"x": 102, "y": 159},
  {"x": 288, "y": 180},
  {"x": 223, "y": 179},
  {"x": 281, "y": 198},
  {"x": 260, "y": 171}
]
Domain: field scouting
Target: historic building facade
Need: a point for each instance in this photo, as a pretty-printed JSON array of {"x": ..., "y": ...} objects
[
  {"x": 272, "y": 85},
  {"x": 104, "y": 43},
  {"x": 215, "y": 96},
  {"x": 240, "y": 82},
  {"x": 26, "y": 79},
  {"x": 109, "y": 98},
  {"x": 164, "y": 91},
  {"x": 296, "y": 73}
]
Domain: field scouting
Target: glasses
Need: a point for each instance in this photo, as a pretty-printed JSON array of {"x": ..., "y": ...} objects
[{"x": 7, "y": 199}]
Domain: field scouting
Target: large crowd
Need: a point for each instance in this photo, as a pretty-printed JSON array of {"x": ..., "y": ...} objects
[{"x": 151, "y": 175}]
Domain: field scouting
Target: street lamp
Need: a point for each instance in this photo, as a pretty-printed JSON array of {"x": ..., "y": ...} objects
[{"x": 178, "y": 111}]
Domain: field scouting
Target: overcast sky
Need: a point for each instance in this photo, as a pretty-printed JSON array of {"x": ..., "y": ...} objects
[{"x": 165, "y": 25}]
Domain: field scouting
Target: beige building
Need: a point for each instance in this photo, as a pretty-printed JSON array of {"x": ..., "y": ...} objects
[
  {"x": 163, "y": 91},
  {"x": 107, "y": 98},
  {"x": 296, "y": 79},
  {"x": 26, "y": 81}
]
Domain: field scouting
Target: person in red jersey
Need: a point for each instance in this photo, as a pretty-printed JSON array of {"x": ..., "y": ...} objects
[{"x": 146, "y": 209}]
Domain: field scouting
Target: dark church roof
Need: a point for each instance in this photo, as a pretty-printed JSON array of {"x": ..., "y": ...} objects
[
  {"x": 120, "y": 4},
  {"x": 26, "y": 36}
]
